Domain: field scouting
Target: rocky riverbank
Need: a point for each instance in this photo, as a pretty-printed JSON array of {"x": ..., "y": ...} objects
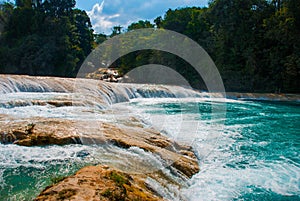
[
  {"x": 263, "y": 96},
  {"x": 96, "y": 182}
]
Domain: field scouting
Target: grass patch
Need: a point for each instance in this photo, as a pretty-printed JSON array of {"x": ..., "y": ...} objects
[
  {"x": 118, "y": 178},
  {"x": 107, "y": 193}
]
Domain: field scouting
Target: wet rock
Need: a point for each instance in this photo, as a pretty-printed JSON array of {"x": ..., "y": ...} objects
[
  {"x": 152, "y": 141},
  {"x": 105, "y": 74},
  {"x": 7, "y": 137},
  {"x": 82, "y": 154},
  {"x": 44, "y": 139},
  {"x": 100, "y": 183},
  {"x": 20, "y": 135},
  {"x": 45, "y": 132}
]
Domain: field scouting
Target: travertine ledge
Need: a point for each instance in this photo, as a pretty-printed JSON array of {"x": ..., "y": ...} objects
[{"x": 100, "y": 183}]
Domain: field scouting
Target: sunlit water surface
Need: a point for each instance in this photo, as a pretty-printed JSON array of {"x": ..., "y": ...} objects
[{"x": 248, "y": 152}]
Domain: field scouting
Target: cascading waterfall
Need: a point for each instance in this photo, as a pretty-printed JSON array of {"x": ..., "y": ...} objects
[
  {"x": 16, "y": 83},
  {"x": 253, "y": 156},
  {"x": 25, "y": 97}
]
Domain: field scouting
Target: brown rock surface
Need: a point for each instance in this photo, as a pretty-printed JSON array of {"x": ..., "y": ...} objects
[
  {"x": 44, "y": 132},
  {"x": 61, "y": 132},
  {"x": 153, "y": 141},
  {"x": 106, "y": 74},
  {"x": 99, "y": 183}
]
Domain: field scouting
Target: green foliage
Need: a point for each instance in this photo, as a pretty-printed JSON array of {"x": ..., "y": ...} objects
[
  {"x": 100, "y": 38},
  {"x": 116, "y": 30},
  {"x": 255, "y": 44},
  {"x": 107, "y": 193},
  {"x": 158, "y": 21},
  {"x": 140, "y": 25},
  {"x": 49, "y": 38},
  {"x": 118, "y": 178}
]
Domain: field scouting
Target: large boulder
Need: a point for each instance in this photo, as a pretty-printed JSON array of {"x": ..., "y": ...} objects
[{"x": 100, "y": 183}]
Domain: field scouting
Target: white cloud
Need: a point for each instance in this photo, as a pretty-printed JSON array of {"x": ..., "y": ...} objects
[
  {"x": 101, "y": 22},
  {"x": 97, "y": 9},
  {"x": 116, "y": 12}
]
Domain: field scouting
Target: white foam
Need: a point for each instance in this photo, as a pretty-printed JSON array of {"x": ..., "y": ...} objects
[
  {"x": 224, "y": 183},
  {"x": 216, "y": 145}
]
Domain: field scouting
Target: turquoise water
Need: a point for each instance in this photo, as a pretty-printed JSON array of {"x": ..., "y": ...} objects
[
  {"x": 25, "y": 171},
  {"x": 250, "y": 152},
  {"x": 253, "y": 156}
]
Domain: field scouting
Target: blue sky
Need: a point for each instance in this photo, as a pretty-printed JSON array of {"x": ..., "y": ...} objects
[{"x": 105, "y": 14}]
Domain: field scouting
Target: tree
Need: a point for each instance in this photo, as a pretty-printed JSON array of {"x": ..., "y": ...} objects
[
  {"x": 158, "y": 21},
  {"x": 255, "y": 44},
  {"x": 116, "y": 30},
  {"x": 24, "y": 3},
  {"x": 58, "y": 8},
  {"x": 177, "y": 20},
  {"x": 6, "y": 10},
  {"x": 282, "y": 33},
  {"x": 140, "y": 25},
  {"x": 46, "y": 38},
  {"x": 100, "y": 38}
]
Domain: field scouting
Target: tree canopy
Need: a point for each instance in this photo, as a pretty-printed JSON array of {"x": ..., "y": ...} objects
[
  {"x": 44, "y": 37},
  {"x": 255, "y": 43}
]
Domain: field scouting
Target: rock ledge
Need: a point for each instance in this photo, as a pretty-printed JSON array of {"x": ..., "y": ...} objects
[{"x": 99, "y": 183}]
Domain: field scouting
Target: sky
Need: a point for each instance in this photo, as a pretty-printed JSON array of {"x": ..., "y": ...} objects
[{"x": 105, "y": 14}]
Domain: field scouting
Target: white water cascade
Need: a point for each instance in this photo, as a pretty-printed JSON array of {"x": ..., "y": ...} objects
[
  {"x": 25, "y": 97},
  {"x": 252, "y": 153}
]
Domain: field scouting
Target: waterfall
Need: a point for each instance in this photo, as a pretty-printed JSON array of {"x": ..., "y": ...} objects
[
  {"x": 39, "y": 99},
  {"x": 85, "y": 91},
  {"x": 248, "y": 158}
]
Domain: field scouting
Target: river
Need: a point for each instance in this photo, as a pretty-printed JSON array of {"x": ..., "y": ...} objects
[{"x": 246, "y": 149}]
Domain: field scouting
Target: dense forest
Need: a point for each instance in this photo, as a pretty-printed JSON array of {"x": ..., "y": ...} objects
[
  {"x": 44, "y": 38},
  {"x": 254, "y": 43}
]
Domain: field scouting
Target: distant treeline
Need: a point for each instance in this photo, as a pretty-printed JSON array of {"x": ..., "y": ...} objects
[{"x": 255, "y": 43}]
